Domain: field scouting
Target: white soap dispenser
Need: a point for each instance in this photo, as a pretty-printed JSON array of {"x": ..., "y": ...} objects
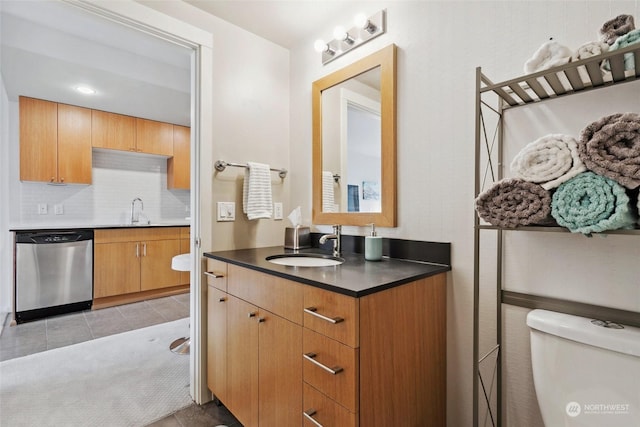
[{"x": 373, "y": 245}]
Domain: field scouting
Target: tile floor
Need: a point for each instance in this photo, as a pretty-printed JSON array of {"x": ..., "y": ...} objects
[{"x": 73, "y": 328}]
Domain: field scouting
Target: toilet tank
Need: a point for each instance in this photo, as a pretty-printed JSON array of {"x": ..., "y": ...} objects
[{"x": 584, "y": 374}]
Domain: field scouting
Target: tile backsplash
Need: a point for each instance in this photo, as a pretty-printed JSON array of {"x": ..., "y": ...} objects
[{"x": 118, "y": 178}]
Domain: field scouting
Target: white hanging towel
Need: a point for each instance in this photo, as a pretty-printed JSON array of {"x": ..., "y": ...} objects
[
  {"x": 328, "y": 202},
  {"x": 256, "y": 191}
]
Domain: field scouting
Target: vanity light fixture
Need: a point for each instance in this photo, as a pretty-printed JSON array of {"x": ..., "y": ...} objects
[
  {"x": 365, "y": 29},
  {"x": 85, "y": 90}
]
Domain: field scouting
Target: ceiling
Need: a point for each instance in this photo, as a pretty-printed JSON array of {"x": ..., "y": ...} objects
[
  {"x": 50, "y": 47},
  {"x": 287, "y": 22}
]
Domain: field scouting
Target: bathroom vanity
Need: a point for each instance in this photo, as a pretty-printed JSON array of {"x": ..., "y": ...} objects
[{"x": 358, "y": 344}]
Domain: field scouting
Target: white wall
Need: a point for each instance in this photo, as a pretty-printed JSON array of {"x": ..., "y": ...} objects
[
  {"x": 6, "y": 249},
  {"x": 439, "y": 46},
  {"x": 250, "y": 120}
]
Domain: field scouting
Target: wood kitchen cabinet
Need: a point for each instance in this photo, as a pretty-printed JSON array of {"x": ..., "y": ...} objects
[
  {"x": 55, "y": 142},
  {"x": 185, "y": 248},
  {"x": 154, "y": 137},
  {"x": 374, "y": 360},
  {"x": 178, "y": 166},
  {"x": 113, "y": 131},
  {"x": 131, "y": 264},
  {"x": 257, "y": 370}
]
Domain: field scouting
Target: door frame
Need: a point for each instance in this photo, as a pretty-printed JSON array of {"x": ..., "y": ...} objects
[{"x": 150, "y": 21}]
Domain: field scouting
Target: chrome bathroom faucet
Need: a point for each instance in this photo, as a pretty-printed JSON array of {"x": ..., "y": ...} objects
[{"x": 337, "y": 229}]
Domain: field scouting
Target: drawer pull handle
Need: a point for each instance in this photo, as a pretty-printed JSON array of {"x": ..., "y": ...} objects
[
  {"x": 309, "y": 413},
  {"x": 222, "y": 299},
  {"x": 213, "y": 274},
  {"x": 311, "y": 358},
  {"x": 314, "y": 311},
  {"x": 252, "y": 314}
]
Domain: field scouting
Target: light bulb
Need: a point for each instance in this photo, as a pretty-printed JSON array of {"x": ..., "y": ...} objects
[
  {"x": 361, "y": 20},
  {"x": 320, "y": 46},
  {"x": 85, "y": 90},
  {"x": 340, "y": 33}
]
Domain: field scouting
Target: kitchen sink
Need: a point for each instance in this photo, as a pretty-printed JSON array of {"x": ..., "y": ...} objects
[{"x": 305, "y": 260}]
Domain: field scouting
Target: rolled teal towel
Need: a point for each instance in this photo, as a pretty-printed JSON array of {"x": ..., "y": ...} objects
[
  {"x": 628, "y": 39},
  {"x": 590, "y": 203}
]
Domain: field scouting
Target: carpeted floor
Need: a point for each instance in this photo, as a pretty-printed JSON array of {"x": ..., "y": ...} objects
[{"x": 128, "y": 379}]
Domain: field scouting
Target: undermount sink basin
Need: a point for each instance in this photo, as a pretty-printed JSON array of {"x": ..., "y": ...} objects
[{"x": 305, "y": 260}]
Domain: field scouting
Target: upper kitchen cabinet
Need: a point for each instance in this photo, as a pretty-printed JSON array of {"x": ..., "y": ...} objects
[
  {"x": 154, "y": 137},
  {"x": 178, "y": 166},
  {"x": 55, "y": 142},
  {"x": 113, "y": 131}
]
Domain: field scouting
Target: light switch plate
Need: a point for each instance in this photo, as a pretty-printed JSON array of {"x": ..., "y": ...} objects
[
  {"x": 42, "y": 208},
  {"x": 277, "y": 210},
  {"x": 226, "y": 211},
  {"x": 58, "y": 209}
]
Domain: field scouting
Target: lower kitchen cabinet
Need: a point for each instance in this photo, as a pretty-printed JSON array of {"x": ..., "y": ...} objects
[
  {"x": 335, "y": 361},
  {"x": 132, "y": 264}
]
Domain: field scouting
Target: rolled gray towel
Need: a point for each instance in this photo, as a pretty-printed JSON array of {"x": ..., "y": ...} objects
[
  {"x": 610, "y": 147},
  {"x": 513, "y": 202},
  {"x": 616, "y": 27}
]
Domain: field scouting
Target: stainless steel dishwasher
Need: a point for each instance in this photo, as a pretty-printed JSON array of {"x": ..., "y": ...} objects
[{"x": 54, "y": 273}]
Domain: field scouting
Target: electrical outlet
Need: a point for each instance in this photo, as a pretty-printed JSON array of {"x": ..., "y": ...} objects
[
  {"x": 226, "y": 211},
  {"x": 277, "y": 211},
  {"x": 42, "y": 208},
  {"x": 58, "y": 209}
]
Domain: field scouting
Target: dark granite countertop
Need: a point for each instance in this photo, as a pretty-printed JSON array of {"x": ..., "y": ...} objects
[{"x": 355, "y": 277}]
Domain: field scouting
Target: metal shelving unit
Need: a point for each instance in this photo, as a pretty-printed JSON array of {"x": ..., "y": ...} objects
[{"x": 492, "y": 100}]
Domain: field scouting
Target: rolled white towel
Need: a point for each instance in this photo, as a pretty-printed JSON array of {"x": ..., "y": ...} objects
[
  {"x": 549, "y": 55},
  {"x": 589, "y": 50},
  {"x": 549, "y": 161}
]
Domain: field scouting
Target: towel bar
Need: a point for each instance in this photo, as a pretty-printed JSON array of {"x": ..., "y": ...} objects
[{"x": 221, "y": 165}]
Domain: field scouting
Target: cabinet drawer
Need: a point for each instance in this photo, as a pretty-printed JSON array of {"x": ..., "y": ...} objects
[
  {"x": 323, "y": 355},
  {"x": 332, "y": 314},
  {"x": 135, "y": 234},
  {"x": 217, "y": 274},
  {"x": 324, "y": 411},
  {"x": 279, "y": 296}
]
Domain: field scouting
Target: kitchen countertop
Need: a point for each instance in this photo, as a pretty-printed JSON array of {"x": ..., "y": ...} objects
[
  {"x": 34, "y": 227},
  {"x": 355, "y": 277}
]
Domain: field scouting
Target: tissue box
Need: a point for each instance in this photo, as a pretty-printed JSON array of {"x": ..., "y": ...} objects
[{"x": 297, "y": 238}]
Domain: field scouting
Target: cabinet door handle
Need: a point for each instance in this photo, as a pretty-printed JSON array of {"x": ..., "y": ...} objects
[
  {"x": 252, "y": 314},
  {"x": 222, "y": 299},
  {"x": 261, "y": 320},
  {"x": 213, "y": 274},
  {"x": 309, "y": 413},
  {"x": 314, "y": 311},
  {"x": 137, "y": 250},
  {"x": 311, "y": 357},
  {"x": 61, "y": 179},
  {"x": 144, "y": 249},
  {"x": 53, "y": 179}
]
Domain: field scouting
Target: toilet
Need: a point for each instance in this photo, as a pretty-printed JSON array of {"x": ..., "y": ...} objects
[{"x": 586, "y": 372}]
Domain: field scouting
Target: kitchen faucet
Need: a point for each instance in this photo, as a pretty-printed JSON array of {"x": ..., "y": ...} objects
[
  {"x": 335, "y": 237},
  {"x": 136, "y": 218}
]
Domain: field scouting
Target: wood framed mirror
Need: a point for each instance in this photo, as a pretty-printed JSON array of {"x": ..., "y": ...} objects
[{"x": 354, "y": 143}]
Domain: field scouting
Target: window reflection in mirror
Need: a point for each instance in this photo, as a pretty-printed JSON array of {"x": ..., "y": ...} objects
[
  {"x": 351, "y": 145},
  {"x": 354, "y": 143}
]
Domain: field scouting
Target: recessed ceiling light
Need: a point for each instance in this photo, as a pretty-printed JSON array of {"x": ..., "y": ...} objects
[{"x": 86, "y": 90}]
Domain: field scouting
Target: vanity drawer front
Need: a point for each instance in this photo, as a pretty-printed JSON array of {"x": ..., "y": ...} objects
[
  {"x": 340, "y": 385},
  {"x": 217, "y": 274},
  {"x": 332, "y": 314},
  {"x": 277, "y": 295},
  {"x": 324, "y": 411}
]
